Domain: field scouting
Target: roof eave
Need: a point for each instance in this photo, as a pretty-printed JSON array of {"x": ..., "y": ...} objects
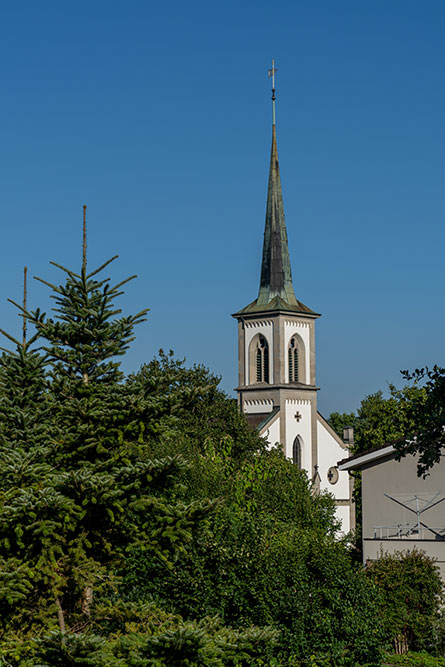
[
  {"x": 265, "y": 386},
  {"x": 267, "y": 420},
  {"x": 360, "y": 460},
  {"x": 247, "y": 312}
]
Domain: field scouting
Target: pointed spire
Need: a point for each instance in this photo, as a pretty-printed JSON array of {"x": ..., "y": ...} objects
[
  {"x": 276, "y": 288},
  {"x": 276, "y": 276}
]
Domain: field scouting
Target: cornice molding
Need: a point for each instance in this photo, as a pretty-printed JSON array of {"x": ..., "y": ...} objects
[{"x": 258, "y": 323}]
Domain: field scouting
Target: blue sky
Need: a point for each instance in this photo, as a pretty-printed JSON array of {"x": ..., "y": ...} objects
[{"x": 157, "y": 116}]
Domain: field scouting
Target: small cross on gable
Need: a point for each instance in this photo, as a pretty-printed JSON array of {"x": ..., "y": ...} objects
[{"x": 298, "y": 416}]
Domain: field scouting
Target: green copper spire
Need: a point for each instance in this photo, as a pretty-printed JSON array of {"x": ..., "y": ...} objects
[
  {"x": 276, "y": 275},
  {"x": 276, "y": 289}
]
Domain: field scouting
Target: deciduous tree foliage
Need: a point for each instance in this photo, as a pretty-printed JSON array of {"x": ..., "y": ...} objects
[
  {"x": 426, "y": 433},
  {"x": 380, "y": 420},
  {"x": 411, "y": 595},
  {"x": 270, "y": 554}
]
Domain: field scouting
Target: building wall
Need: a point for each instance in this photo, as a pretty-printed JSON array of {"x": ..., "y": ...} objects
[
  {"x": 329, "y": 452},
  {"x": 343, "y": 514},
  {"x": 272, "y": 432},
  {"x": 252, "y": 328},
  {"x": 399, "y": 479},
  {"x": 302, "y": 428},
  {"x": 373, "y": 548},
  {"x": 302, "y": 329},
  {"x": 258, "y": 405}
]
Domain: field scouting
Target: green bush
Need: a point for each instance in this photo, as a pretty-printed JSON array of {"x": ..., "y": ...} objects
[
  {"x": 268, "y": 556},
  {"x": 411, "y": 593},
  {"x": 412, "y": 659},
  {"x": 202, "y": 644}
]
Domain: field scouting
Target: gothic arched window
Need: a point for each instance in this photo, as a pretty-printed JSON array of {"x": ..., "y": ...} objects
[
  {"x": 297, "y": 458},
  {"x": 292, "y": 358},
  {"x": 262, "y": 360}
]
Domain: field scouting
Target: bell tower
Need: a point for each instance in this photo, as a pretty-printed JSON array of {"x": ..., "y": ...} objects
[{"x": 276, "y": 358}]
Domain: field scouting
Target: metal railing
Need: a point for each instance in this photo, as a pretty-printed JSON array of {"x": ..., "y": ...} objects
[{"x": 402, "y": 531}]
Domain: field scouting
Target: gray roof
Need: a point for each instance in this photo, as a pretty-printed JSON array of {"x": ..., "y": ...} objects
[{"x": 365, "y": 458}]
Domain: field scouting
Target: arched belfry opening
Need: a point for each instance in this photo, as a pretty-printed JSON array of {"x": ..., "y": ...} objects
[
  {"x": 293, "y": 360},
  {"x": 296, "y": 360},
  {"x": 262, "y": 360},
  {"x": 259, "y": 360}
]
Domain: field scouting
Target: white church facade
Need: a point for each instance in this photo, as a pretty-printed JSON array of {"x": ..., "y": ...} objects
[{"x": 276, "y": 358}]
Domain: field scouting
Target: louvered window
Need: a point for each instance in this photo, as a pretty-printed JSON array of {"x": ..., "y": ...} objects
[
  {"x": 262, "y": 360},
  {"x": 292, "y": 357}
]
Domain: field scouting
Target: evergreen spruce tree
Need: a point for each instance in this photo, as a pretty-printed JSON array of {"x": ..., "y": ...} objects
[
  {"x": 203, "y": 411},
  {"x": 97, "y": 493},
  {"x": 24, "y": 461}
]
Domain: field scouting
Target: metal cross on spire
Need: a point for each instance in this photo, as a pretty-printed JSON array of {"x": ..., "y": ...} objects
[{"x": 271, "y": 73}]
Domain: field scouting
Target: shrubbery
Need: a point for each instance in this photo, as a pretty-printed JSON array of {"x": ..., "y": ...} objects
[
  {"x": 411, "y": 594},
  {"x": 412, "y": 659},
  {"x": 269, "y": 554}
]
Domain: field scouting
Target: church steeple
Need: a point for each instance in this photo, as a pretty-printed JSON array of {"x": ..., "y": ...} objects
[
  {"x": 276, "y": 289},
  {"x": 276, "y": 275},
  {"x": 277, "y": 389}
]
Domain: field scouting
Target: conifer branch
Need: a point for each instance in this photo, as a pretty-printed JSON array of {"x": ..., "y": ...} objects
[
  {"x": 19, "y": 306},
  {"x": 45, "y": 282},
  {"x": 33, "y": 339},
  {"x": 68, "y": 271},
  {"x": 113, "y": 289},
  {"x": 98, "y": 284},
  {"x": 93, "y": 273},
  {"x": 140, "y": 314},
  {"x": 4, "y": 349},
  {"x": 11, "y": 338}
]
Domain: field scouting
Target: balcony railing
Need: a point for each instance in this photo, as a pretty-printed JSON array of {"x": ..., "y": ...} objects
[{"x": 411, "y": 531}]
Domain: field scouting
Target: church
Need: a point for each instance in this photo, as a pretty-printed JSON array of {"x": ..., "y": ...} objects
[{"x": 276, "y": 361}]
